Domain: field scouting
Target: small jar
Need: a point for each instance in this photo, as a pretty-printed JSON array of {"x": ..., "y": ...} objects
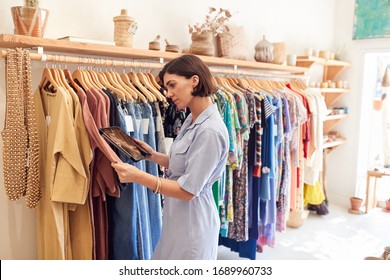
[
  {"x": 339, "y": 84},
  {"x": 324, "y": 85}
]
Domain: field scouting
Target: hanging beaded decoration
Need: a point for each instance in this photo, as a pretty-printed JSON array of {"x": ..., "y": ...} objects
[
  {"x": 33, "y": 189},
  {"x": 20, "y": 136}
]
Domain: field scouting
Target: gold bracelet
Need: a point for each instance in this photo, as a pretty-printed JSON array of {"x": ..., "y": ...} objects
[
  {"x": 160, "y": 183},
  {"x": 157, "y": 190}
]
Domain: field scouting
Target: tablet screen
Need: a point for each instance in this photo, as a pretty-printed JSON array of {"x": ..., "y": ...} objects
[{"x": 122, "y": 141}]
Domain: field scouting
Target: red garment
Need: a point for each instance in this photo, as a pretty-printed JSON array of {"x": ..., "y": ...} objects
[
  {"x": 306, "y": 133},
  {"x": 103, "y": 176}
]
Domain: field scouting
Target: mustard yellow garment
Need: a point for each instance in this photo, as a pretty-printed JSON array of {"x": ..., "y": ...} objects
[
  {"x": 80, "y": 218},
  {"x": 64, "y": 179},
  {"x": 314, "y": 194}
]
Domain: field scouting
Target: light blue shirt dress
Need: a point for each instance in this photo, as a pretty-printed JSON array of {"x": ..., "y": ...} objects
[{"x": 197, "y": 159}]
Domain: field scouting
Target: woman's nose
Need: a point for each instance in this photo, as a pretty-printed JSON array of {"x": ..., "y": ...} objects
[{"x": 168, "y": 93}]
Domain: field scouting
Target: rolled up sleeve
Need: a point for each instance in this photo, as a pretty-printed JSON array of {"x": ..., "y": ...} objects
[{"x": 203, "y": 157}]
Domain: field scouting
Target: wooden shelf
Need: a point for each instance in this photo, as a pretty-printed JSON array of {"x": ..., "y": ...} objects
[
  {"x": 335, "y": 117},
  {"x": 331, "y": 67},
  {"x": 333, "y": 90},
  {"x": 331, "y": 121},
  {"x": 64, "y": 46},
  {"x": 310, "y": 60},
  {"x": 333, "y": 144},
  {"x": 332, "y": 95}
]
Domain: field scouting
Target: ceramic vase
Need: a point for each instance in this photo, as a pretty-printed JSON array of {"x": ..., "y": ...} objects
[
  {"x": 29, "y": 21},
  {"x": 264, "y": 51}
]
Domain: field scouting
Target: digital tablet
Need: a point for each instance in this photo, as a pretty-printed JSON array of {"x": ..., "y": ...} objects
[{"x": 124, "y": 143}]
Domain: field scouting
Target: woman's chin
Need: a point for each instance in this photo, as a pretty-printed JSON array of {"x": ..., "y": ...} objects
[{"x": 180, "y": 107}]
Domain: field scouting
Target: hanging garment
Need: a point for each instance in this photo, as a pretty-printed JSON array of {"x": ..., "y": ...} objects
[
  {"x": 64, "y": 179},
  {"x": 97, "y": 143},
  {"x": 154, "y": 200}
]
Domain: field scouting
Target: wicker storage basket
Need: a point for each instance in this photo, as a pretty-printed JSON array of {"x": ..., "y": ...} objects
[
  {"x": 233, "y": 44},
  {"x": 297, "y": 218},
  {"x": 123, "y": 26}
]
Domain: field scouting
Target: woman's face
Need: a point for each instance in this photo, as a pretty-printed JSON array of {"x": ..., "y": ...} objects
[{"x": 179, "y": 89}]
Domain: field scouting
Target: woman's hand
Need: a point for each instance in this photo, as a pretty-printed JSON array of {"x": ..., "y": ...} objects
[
  {"x": 127, "y": 173},
  {"x": 145, "y": 146}
]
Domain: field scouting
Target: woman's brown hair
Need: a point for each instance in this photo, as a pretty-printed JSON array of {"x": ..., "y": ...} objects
[{"x": 187, "y": 66}]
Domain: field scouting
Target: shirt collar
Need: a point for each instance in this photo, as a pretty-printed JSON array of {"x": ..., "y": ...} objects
[{"x": 202, "y": 117}]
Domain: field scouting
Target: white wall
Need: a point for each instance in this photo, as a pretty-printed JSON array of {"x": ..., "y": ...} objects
[
  {"x": 347, "y": 166},
  {"x": 300, "y": 23}
]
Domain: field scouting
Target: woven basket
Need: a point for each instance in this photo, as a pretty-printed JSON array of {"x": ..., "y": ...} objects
[
  {"x": 233, "y": 44},
  {"x": 122, "y": 26},
  {"x": 297, "y": 218}
]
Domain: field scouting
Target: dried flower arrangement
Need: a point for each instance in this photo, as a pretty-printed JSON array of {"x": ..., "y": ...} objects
[
  {"x": 215, "y": 22},
  {"x": 31, "y": 3}
]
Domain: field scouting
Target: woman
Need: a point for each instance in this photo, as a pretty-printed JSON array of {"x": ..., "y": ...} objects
[{"x": 196, "y": 160}]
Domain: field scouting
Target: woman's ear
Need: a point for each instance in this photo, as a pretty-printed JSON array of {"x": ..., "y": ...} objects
[{"x": 195, "y": 81}]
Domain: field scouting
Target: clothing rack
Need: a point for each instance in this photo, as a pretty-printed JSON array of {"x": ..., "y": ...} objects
[
  {"x": 90, "y": 60},
  {"x": 97, "y": 61}
]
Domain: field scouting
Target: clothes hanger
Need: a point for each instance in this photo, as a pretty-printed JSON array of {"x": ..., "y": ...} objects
[
  {"x": 126, "y": 88},
  {"x": 154, "y": 83},
  {"x": 224, "y": 84},
  {"x": 265, "y": 87},
  {"x": 69, "y": 79},
  {"x": 145, "y": 81},
  {"x": 243, "y": 82},
  {"x": 80, "y": 77},
  {"x": 61, "y": 77},
  {"x": 88, "y": 77},
  {"x": 103, "y": 80},
  {"x": 234, "y": 83},
  {"x": 47, "y": 79},
  {"x": 136, "y": 82},
  {"x": 134, "y": 92},
  {"x": 95, "y": 79},
  {"x": 116, "y": 85},
  {"x": 56, "y": 76}
]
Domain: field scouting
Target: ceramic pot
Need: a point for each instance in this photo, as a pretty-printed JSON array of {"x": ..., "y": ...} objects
[
  {"x": 202, "y": 44},
  {"x": 264, "y": 51},
  {"x": 377, "y": 104},
  {"x": 388, "y": 208},
  {"x": 29, "y": 21},
  {"x": 356, "y": 203}
]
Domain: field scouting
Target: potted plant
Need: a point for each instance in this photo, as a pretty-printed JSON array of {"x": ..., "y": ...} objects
[
  {"x": 356, "y": 203},
  {"x": 30, "y": 19},
  {"x": 202, "y": 33},
  {"x": 388, "y": 205}
]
